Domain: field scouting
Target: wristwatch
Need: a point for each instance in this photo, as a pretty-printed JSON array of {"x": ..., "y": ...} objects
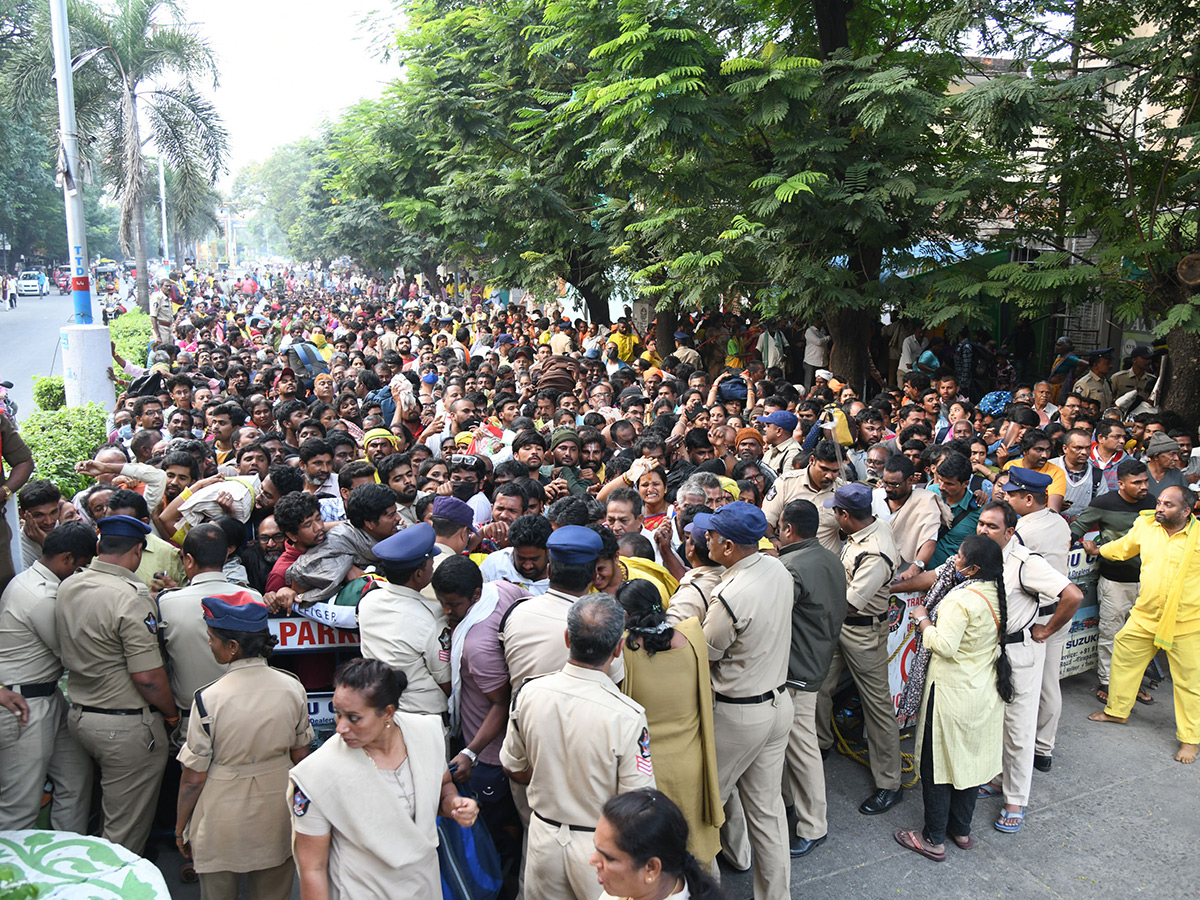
[
  {"x": 7, "y": 492},
  {"x": 921, "y": 619},
  {"x": 470, "y": 754},
  {"x": 920, "y": 565}
]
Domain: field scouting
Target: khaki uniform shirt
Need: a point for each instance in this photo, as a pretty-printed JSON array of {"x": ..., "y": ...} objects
[
  {"x": 689, "y": 356},
  {"x": 445, "y": 553},
  {"x": 532, "y": 634},
  {"x": 748, "y": 627},
  {"x": 1046, "y": 533},
  {"x": 584, "y": 741},
  {"x": 781, "y": 456},
  {"x": 406, "y": 631},
  {"x": 694, "y": 593},
  {"x": 107, "y": 629},
  {"x": 795, "y": 485},
  {"x": 1093, "y": 387},
  {"x": 260, "y": 714},
  {"x": 28, "y": 636},
  {"x": 185, "y": 630},
  {"x": 1029, "y": 582},
  {"x": 1125, "y": 381},
  {"x": 869, "y": 556}
]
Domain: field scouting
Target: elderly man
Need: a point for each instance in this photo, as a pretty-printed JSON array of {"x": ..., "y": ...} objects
[
  {"x": 1166, "y": 614},
  {"x": 916, "y": 517}
]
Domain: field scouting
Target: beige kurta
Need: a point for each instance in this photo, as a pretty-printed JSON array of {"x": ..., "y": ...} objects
[
  {"x": 241, "y": 732},
  {"x": 968, "y": 714},
  {"x": 377, "y": 849}
]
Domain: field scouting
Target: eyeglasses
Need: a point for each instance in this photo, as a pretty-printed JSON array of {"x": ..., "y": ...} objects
[{"x": 271, "y": 538}]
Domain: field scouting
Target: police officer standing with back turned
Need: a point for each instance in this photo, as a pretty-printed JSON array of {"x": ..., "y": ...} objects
[
  {"x": 120, "y": 695},
  {"x": 869, "y": 557},
  {"x": 748, "y": 630}
]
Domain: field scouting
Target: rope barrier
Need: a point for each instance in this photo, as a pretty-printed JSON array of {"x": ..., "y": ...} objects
[{"x": 908, "y": 762}]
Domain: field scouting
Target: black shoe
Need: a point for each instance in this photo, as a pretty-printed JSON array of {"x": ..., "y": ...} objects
[
  {"x": 881, "y": 801},
  {"x": 803, "y": 846},
  {"x": 1043, "y": 763},
  {"x": 825, "y": 751}
]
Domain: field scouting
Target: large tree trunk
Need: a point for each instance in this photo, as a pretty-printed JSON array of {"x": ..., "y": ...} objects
[
  {"x": 430, "y": 273},
  {"x": 139, "y": 253},
  {"x": 664, "y": 331},
  {"x": 848, "y": 355},
  {"x": 1183, "y": 386}
]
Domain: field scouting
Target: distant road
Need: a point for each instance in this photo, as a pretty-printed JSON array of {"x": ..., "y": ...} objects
[{"x": 29, "y": 335}]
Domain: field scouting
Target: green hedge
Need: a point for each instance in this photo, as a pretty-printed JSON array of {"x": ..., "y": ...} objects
[
  {"x": 60, "y": 438},
  {"x": 132, "y": 332},
  {"x": 49, "y": 392}
]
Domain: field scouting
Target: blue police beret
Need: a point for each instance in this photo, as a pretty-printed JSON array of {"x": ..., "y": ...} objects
[
  {"x": 123, "y": 526},
  {"x": 740, "y": 522},
  {"x": 408, "y": 548},
  {"x": 238, "y": 611},
  {"x": 681, "y": 335},
  {"x": 700, "y": 524},
  {"x": 505, "y": 339},
  {"x": 851, "y": 496},
  {"x": 1020, "y": 479},
  {"x": 574, "y": 545},
  {"x": 453, "y": 509},
  {"x": 781, "y": 417}
]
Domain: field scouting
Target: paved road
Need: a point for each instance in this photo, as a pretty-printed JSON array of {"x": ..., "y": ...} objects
[
  {"x": 1115, "y": 817},
  {"x": 30, "y": 336}
]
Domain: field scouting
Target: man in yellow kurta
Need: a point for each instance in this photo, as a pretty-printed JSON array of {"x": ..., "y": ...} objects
[{"x": 1166, "y": 614}]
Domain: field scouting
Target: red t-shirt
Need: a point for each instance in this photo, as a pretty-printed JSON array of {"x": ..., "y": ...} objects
[{"x": 290, "y": 554}]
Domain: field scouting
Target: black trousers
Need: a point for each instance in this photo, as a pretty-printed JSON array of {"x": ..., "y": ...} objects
[{"x": 948, "y": 810}]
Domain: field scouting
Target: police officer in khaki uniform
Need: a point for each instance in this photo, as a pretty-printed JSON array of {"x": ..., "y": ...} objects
[
  {"x": 532, "y": 629},
  {"x": 815, "y": 483},
  {"x": 1046, "y": 533},
  {"x": 181, "y": 615},
  {"x": 1032, "y": 587},
  {"x": 1094, "y": 385},
  {"x": 576, "y": 740},
  {"x": 869, "y": 558},
  {"x": 120, "y": 695},
  {"x": 782, "y": 448},
  {"x": 748, "y": 630},
  {"x": 400, "y": 626},
  {"x": 19, "y": 459},
  {"x": 42, "y": 746}
]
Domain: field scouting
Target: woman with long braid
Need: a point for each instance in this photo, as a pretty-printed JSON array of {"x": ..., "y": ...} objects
[{"x": 959, "y": 729}]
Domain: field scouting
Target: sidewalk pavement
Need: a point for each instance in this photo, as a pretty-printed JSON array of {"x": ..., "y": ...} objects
[{"x": 1116, "y": 816}]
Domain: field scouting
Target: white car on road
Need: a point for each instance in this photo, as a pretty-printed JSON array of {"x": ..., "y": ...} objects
[{"x": 29, "y": 285}]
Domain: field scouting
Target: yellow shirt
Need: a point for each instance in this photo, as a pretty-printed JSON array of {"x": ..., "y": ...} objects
[
  {"x": 1162, "y": 563},
  {"x": 624, "y": 344},
  {"x": 1058, "y": 478}
]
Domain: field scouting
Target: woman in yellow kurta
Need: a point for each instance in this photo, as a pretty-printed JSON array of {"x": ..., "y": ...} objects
[
  {"x": 666, "y": 671},
  {"x": 960, "y": 726}
]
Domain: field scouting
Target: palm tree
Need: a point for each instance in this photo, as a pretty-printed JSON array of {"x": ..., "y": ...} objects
[{"x": 133, "y": 75}]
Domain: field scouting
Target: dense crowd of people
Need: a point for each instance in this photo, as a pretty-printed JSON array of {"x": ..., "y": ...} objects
[{"x": 605, "y": 591}]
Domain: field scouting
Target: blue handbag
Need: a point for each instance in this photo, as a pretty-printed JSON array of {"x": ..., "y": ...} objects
[{"x": 468, "y": 860}]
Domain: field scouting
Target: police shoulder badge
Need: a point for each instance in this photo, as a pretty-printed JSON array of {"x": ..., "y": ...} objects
[
  {"x": 644, "y": 765},
  {"x": 300, "y": 803},
  {"x": 151, "y": 623},
  {"x": 444, "y": 646}
]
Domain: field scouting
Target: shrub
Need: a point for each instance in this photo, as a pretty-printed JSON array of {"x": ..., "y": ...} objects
[
  {"x": 131, "y": 333},
  {"x": 60, "y": 438},
  {"x": 49, "y": 392}
]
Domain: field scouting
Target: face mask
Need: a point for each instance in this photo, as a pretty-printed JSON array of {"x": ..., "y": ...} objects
[
  {"x": 464, "y": 490},
  {"x": 126, "y": 432}
]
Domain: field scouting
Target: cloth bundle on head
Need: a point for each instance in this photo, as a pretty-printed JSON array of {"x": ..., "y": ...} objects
[
  {"x": 203, "y": 507},
  {"x": 729, "y": 486},
  {"x": 559, "y": 373},
  {"x": 752, "y": 434},
  {"x": 238, "y": 611},
  {"x": 375, "y": 433}
]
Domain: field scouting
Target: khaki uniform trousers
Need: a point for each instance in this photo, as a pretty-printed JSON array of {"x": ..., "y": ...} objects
[
  {"x": 132, "y": 754},
  {"x": 863, "y": 650},
  {"x": 805, "y": 770},
  {"x": 162, "y": 332},
  {"x": 44, "y": 748},
  {"x": 1020, "y": 719},
  {"x": 751, "y": 741},
  {"x": 1116, "y": 600},
  {"x": 557, "y": 865},
  {"x": 1132, "y": 651},
  {"x": 1050, "y": 699},
  {"x": 264, "y": 884}
]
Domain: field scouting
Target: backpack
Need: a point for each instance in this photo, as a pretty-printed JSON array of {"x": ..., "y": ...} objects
[
  {"x": 353, "y": 591},
  {"x": 314, "y": 364}
]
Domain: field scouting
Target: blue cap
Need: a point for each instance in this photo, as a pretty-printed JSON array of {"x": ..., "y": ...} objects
[
  {"x": 781, "y": 417},
  {"x": 740, "y": 522},
  {"x": 574, "y": 545},
  {"x": 851, "y": 496},
  {"x": 455, "y": 510},
  {"x": 505, "y": 339},
  {"x": 1103, "y": 351},
  {"x": 408, "y": 548},
  {"x": 123, "y": 526},
  {"x": 699, "y": 525},
  {"x": 238, "y": 611},
  {"x": 681, "y": 335},
  {"x": 594, "y": 353},
  {"x": 1020, "y": 479}
]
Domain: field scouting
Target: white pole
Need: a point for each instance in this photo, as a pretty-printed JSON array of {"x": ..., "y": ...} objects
[{"x": 162, "y": 200}]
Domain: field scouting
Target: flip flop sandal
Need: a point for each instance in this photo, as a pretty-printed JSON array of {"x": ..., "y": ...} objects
[
  {"x": 989, "y": 790},
  {"x": 1102, "y": 695},
  {"x": 1019, "y": 815},
  {"x": 912, "y": 840},
  {"x": 962, "y": 843},
  {"x": 1144, "y": 696}
]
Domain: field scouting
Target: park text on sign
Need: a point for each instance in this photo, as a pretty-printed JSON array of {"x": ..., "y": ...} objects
[{"x": 300, "y": 635}]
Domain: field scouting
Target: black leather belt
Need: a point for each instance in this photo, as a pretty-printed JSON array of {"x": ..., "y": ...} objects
[
  {"x": 760, "y": 698},
  {"x": 560, "y": 824},
  {"x": 109, "y": 712},
  {"x": 42, "y": 689},
  {"x": 1018, "y": 638},
  {"x": 1048, "y": 610},
  {"x": 864, "y": 620}
]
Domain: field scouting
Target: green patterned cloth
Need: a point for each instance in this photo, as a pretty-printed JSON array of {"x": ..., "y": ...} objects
[{"x": 67, "y": 866}]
